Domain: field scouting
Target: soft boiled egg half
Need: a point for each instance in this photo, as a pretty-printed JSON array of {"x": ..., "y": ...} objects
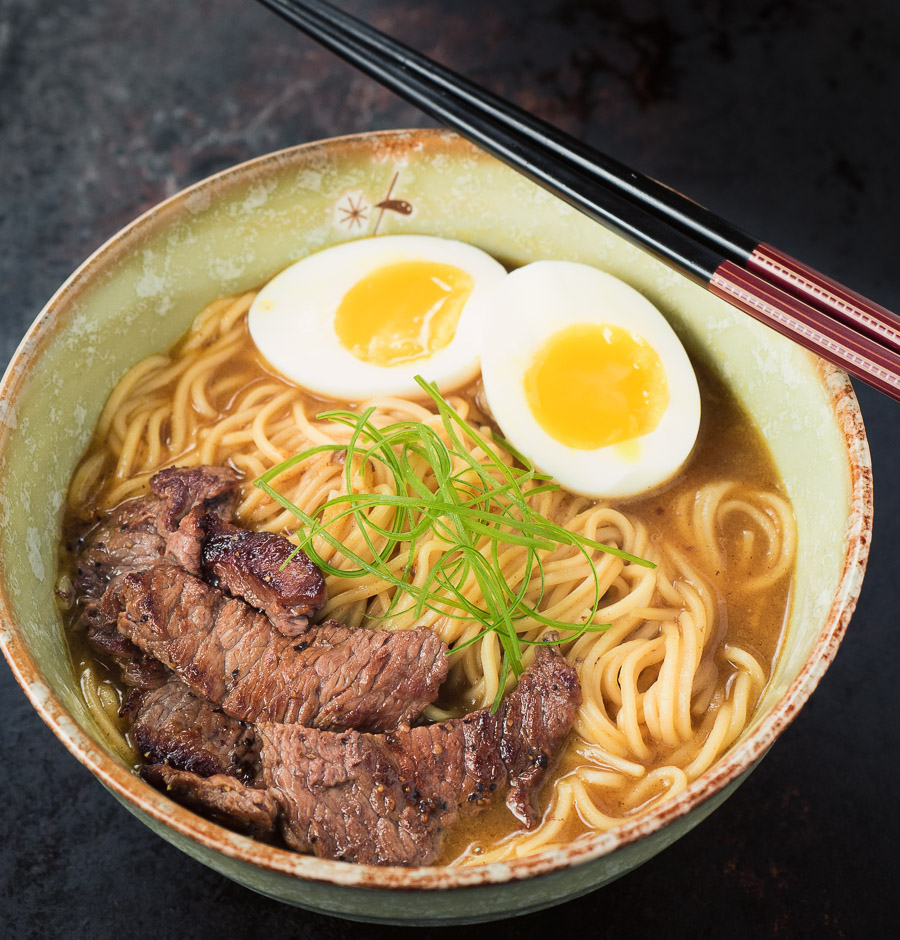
[
  {"x": 363, "y": 318},
  {"x": 586, "y": 378}
]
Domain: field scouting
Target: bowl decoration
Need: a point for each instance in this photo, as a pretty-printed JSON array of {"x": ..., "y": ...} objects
[{"x": 139, "y": 292}]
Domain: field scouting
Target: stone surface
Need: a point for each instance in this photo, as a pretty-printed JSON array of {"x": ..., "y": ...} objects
[{"x": 780, "y": 116}]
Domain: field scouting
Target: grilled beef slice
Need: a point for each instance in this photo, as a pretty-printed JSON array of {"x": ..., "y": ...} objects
[
  {"x": 139, "y": 670},
  {"x": 138, "y": 534},
  {"x": 190, "y": 494},
  {"x": 224, "y": 799},
  {"x": 332, "y": 677},
  {"x": 135, "y": 534},
  {"x": 188, "y": 508},
  {"x": 259, "y": 567},
  {"x": 386, "y": 799},
  {"x": 173, "y": 725}
]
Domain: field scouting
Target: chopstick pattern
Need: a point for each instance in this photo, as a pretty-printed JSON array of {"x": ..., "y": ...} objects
[
  {"x": 401, "y": 70},
  {"x": 858, "y": 354},
  {"x": 792, "y": 298},
  {"x": 826, "y": 294}
]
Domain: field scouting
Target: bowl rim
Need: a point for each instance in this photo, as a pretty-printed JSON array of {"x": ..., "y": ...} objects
[{"x": 140, "y": 796}]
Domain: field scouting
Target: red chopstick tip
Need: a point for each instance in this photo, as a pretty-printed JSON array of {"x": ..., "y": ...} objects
[
  {"x": 826, "y": 294},
  {"x": 812, "y": 328}
]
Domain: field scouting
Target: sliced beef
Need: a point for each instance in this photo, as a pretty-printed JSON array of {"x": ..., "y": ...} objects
[
  {"x": 139, "y": 670},
  {"x": 224, "y": 799},
  {"x": 332, "y": 677},
  {"x": 185, "y": 488},
  {"x": 535, "y": 720},
  {"x": 386, "y": 799},
  {"x": 136, "y": 535},
  {"x": 345, "y": 797},
  {"x": 266, "y": 570},
  {"x": 189, "y": 495},
  {"x": 126, "y": 539},
  {"x": 175, "y": 726}
]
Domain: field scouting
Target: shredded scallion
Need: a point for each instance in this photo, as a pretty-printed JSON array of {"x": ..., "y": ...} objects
[{"x": 476, "y": 510}]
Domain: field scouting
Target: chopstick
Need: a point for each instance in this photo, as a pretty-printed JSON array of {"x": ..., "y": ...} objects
[{"x": 797, "y": 301}]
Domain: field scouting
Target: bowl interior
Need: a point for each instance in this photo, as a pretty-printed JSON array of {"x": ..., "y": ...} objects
[{"x": 140, "y": 292}]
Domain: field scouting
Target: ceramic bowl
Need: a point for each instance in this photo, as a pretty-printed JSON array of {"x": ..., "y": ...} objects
[{"x": 139, "y": 293}]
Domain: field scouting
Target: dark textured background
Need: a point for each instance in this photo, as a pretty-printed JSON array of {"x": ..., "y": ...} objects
[{"x": 779, "y": 114}]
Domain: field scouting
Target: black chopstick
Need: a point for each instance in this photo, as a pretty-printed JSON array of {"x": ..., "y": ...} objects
[
  {"x": 339, "y": 27},
  {"x": 817, "y": 312},
  {"x": 564, "y": 179}
]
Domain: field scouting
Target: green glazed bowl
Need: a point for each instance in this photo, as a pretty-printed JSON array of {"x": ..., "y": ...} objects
[{"x": 140, "y": 292}]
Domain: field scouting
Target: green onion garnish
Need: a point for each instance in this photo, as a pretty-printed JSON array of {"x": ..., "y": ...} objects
[{"x": 477, "y": 511}]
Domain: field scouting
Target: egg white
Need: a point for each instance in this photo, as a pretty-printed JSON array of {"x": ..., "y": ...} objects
[
  {"x": 536, "y": 302},
  {"x": 292, "y": 318}
]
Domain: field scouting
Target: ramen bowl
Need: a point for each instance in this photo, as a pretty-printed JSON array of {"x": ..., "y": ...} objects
[{"x": 139, "y": 292}]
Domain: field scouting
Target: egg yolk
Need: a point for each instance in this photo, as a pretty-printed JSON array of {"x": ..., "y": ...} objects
[
  {"x": 591, "y": 386},
  {"x": 402, "y": 312}
]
